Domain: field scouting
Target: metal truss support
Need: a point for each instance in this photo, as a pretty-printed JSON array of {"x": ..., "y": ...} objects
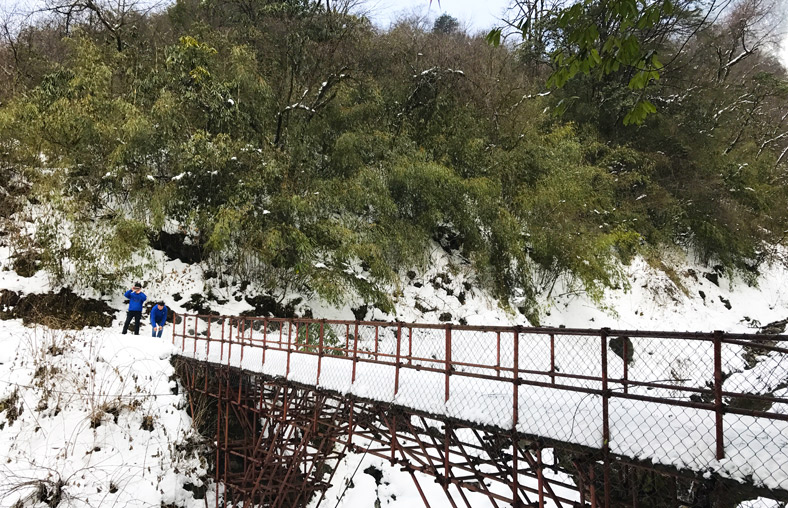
[{"x": 276, "y": 445}]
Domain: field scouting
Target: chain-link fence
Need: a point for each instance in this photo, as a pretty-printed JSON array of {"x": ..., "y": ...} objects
[{"x": 706, "y": 402}]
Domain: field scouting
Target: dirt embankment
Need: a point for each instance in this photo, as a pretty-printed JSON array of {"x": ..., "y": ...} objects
[{"x": 63, "y": 310}]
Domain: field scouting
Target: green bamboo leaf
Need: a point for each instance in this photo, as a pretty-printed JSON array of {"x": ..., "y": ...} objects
[
  {"x": 494, "y": 37},
  {"x": 667, "y": 7}
]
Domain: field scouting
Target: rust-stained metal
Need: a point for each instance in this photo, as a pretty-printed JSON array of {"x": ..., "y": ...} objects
[
  {"x": 605, "y": 417},
  {"x": 448, "y": 361},
  {"x": 552, "y": 358},
  {"x": 718, "y": 409},
  {"x": 278, "y": 442},
  {"x": 399, "y": 359},
  {"x": 498, "y": 353}
]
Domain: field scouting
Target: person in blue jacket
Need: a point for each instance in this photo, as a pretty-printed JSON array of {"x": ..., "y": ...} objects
[
  {"x": 158, "y": 318},
  {"x": 136, "y": 297}
]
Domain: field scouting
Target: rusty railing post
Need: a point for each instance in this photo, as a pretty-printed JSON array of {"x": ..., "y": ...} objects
[
  {"x": 183, "y": 335},
  {"x": 410, "y": 345},
  {"x": 605, "y": 417},
  {"x": 196, "y": 335},
  {"x": 448, "y": 360},
  {"x": 227, "y": 428},
  {"x": 376, "y": 342},
  {"x": 208, "y": 340},
  {"x": 498, "y": 353},
  {"x": 516, "y": 378},
  {"x": 218, "y": 436},
  {"x": 242, "y": 331},
  {"x": 320, "y": 352},
  {"x": 221, "y": 342},
  {"x": 289, "y": 338},
  {"x": 580, "y": 484},
  {"x": 718, "y": 407},
  {"x": 230, "y": 339},
  {"x": 174, "y": 333},
  {"x": 540, "y": 476},
  {"x": 552, "y": 358},
  {"x": 446, "y": 451},
  {"x": 516, "y": 503},
  {"x": 396, "y": 367},
  {"x": 355, "y": 354},
  {"x": 265, "y": 339}
]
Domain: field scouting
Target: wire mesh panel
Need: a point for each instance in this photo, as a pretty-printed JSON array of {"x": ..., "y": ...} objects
[
  {"x": 577, "y": 360},
  {"x": 754, "y": 394},
  {"x": 479, "y": 376}
]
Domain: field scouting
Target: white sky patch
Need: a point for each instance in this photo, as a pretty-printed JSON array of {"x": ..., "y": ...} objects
[
  {"x": 477, "y": 16},
  {"x": 784, "y": 52}
]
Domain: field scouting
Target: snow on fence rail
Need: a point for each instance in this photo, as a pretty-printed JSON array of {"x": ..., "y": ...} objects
[{"x": 705, "y": 401}]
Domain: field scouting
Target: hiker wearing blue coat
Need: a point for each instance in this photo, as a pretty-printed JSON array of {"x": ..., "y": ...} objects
[
  {"x": 158, "y": 318},
  {"x": 136, "y": 297}
]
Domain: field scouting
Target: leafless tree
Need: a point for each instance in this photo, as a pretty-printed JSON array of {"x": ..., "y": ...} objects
[
  {"x": 749, "y": 27},
  {"x": 529, "y": 18},
  {"x": 114, "y": 16}
]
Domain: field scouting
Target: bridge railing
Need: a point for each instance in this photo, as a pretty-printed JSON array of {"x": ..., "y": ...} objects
[{"x": 704, "y": 401}]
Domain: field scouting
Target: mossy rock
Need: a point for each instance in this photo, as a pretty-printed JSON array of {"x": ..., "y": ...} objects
[
  {"x": 268, "y": 306},
  {"x": 751, "y": 404},
  {"x": 175, "y": 246},
  {"x": 617, "y": 346},
  {"x": 26, "y": 264}
]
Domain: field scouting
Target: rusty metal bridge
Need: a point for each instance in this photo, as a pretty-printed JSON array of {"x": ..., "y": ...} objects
[{"x": 520, "y": 416}]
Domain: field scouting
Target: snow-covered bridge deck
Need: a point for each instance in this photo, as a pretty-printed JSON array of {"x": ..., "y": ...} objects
[{"x": 709, "y": 402}]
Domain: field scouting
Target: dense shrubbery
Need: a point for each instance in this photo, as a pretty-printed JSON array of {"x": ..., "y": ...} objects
[{"x": 304, "y": 149}]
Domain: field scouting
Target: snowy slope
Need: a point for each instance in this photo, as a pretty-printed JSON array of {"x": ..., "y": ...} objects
[
  {"x": 83, "y": 409},
  {"x": 93, "y": 419},
  {"x": 702, "y": 301}
]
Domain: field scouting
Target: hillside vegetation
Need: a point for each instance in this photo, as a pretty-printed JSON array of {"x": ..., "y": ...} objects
[{"x": 301, "y": 148}]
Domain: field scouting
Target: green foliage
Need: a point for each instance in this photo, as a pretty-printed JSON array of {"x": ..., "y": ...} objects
[
  {"x": 445, "y": 24},
  {"x": 638, "y": 114},
  {"x": 308, "y": 339},
  {"x": 567, "y": 215},
  {"x": 91, "y": 253},
  {"x": 304, "y": 151},
  {"x": 604, "y": 38}
]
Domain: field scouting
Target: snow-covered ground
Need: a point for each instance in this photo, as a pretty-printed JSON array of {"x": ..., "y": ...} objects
[
  {"x": 91, "y": 417},
  {"x": 87, "y": 411},
  {"x": 655, "y": 301}
]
